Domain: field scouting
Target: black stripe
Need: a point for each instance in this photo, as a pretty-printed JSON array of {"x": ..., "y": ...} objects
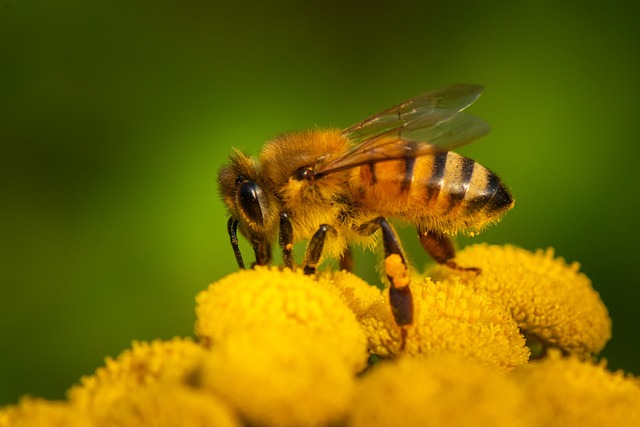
[
  {"x": 500, "y": 200},
  {"x": 409, "y": 164},
  {"x": 460, "y": 189},
  {"x": 467, "y": 172},
  {"x": 437, "y": 174},
  {"x": 372, "y": 169},
  {"x": 401, "y": 302},
  {"x": 477, "y": 203}
]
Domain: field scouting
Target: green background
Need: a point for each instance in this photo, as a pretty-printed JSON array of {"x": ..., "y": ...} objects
[{"x": 115, "y": 116}]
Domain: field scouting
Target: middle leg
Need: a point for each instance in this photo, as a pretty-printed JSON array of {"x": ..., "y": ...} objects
[{"x": 314, "y": 250}]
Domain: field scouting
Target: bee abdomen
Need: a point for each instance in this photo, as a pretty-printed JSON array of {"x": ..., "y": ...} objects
[
  {"x": 493, "y": 198},
  {"x": 459, "y": 189},
  {"x": 473, "y": 189},
  {"x": 444, "y": 191}
]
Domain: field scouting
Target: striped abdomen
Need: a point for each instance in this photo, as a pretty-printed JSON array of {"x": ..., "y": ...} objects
[{"x": 445, "y": 191}]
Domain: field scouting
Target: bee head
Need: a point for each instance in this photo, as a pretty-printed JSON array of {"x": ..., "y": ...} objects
[{"x": 247, "y": 199}]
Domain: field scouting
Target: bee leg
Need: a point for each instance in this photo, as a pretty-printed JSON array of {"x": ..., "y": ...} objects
[
  {"x": 232, "y": 229},
  {"x": 286, "y": 240},
  {"x": 399, "y": 293},
  {"x": 441, "y": 249},
  {"x": 262, "y": 250},
  {"x": 314, "y": 250},
  {"x": 346, "y": 260}
]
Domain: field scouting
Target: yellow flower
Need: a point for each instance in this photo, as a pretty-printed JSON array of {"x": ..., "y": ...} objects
[
  {"x": 271, "y": 299},
  {"x": 281, "y": 349},
  {"x": 357, "y": 294},
  {"x": 169, "y": 406},
  {"x": 158, "y": 362},
  {"x": 445, "y": 390},
  {"x": 280, "y": 377},
  {"x": 569, "y": 392},
  {"x": 551, "y": 301},
  {"x": 449, "y": 317},
  {"x": 32, "y": 412}
]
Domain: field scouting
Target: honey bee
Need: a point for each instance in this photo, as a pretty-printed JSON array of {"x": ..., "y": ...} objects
[{"x": 336, "y": 188}]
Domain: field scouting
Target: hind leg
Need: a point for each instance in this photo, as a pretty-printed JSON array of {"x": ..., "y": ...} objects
[
  {"x": 399, "y": 293},
  {"x": 441, "y": 249}
]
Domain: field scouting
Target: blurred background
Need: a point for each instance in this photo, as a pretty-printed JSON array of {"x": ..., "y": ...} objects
[{"x": 115, "y": 116}]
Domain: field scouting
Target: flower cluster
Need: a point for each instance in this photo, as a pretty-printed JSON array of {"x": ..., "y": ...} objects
[
  {"x": 552, "y": 302},
  {"x": 278, "y": 348}
]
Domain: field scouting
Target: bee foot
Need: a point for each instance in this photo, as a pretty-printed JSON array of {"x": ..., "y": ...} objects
[
  {"x": 453, "y": 265},
  {"x": 403, "y": 336}
]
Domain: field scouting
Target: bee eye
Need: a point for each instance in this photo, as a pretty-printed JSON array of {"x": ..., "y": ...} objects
[{"x": 250, "y": 195}]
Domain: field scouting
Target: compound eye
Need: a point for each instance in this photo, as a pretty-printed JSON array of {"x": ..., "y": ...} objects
[{"x": 250, "y": 195}]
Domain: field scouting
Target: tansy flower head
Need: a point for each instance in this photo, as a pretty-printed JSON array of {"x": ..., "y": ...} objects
[
  {"x": 281, "y": 349},
  {"x": 567, "y": 391},
  {"x": 271, "y": 299},
  {"x": 31, "y": 412},
  {"x": 158, "y": 362},
  {"x": 169, "y": 406},
  {"x": 357, "y": 294},
  {"x": 445, "y": 390},
  {"x": 551, "y": 301},
  {"x": 280, "y": 377},
  {"x": 449, "y": 317}
]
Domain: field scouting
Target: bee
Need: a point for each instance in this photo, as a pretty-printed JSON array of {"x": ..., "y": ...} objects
[{"x": 337, "y": 188}]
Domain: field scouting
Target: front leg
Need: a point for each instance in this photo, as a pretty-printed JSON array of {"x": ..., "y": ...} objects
[
  {"x": 397, "y": 273},
  {"x": 232, "y": 229},
  {"x": 262, "y": 250},
  {"x": 286, "y": 240},
  {"x": 261, "y": 246},
  {"x": 440, "y": 248}
]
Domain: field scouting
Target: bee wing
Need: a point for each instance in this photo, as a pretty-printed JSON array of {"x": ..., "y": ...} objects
[
  {"x": 428, "y": 124},
  {"x": 423, "y": 111}
]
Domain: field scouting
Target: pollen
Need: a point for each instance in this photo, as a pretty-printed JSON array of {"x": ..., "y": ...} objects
[
  {"x": 553, "y": 303},
  {"x": 397, "y": 270}
]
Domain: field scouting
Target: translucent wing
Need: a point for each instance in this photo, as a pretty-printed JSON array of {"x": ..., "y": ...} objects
[
  {"x": 427, "y": 124},
  {"x": 420, "y": 112}
]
